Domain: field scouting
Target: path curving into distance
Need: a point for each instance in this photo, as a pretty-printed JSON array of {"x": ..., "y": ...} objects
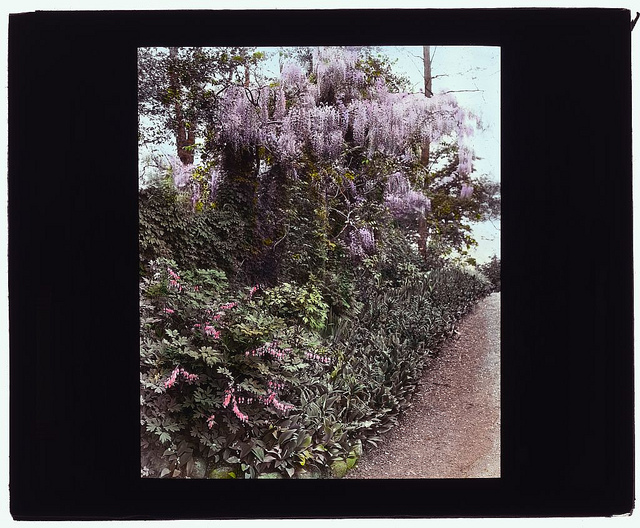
[{"x": 452, "y": 429}]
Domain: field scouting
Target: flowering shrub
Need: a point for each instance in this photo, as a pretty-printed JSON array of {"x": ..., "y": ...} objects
[
  {"x": 491, "y": 270},
  {"x": 217, "y": 370},
  {"x": 260, "y": 395}
]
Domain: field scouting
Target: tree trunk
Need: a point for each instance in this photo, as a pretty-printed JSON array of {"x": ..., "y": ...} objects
[
  {"x": 185, "y": 137},
  {"x": 246, "y": 76},
  {"x": 426, "y": 50},
  {"x": 423, "y": 232}
]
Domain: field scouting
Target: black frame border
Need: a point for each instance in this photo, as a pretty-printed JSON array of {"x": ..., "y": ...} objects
[{"x": 567, "y": 312}]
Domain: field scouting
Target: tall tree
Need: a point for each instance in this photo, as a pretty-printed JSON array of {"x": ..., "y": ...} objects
[
  {"x": 423, "y": 232},
  {"x": 185, "y": 131},
  {"x": 179, "y": 90}
]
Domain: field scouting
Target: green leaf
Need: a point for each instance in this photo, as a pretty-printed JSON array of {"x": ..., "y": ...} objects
[
  {"x": 285, "y": 436},
  {"x": 245, "y": 449},
  {"x": 259, "y": 452}
]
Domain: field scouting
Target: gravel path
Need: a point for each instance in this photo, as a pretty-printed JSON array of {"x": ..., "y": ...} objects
[{"x": 452, "y": 429}]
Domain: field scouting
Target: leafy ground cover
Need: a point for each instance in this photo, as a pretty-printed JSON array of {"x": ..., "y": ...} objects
[{"x": 255, "y": 382}]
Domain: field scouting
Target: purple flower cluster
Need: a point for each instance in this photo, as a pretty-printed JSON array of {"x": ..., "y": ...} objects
[
  {"x": 402, "y": 200},
  {"x": 326, "y": 133},
  {"x": 336, "y": 72},
  {"x": 280, "y": 104},
  {"x": 465, "y": 160},
  {"x": 389, "y": 122},
  {"x": 362, "y": 242},
  {"x": 385, "y": 121},
  {"x": 293, "y": 77},
  {"x": 466, "y": 191},
  {"x": 180, "y": 172},
  {"x": 241, "y": 125},
  {"x": 214, "y": 182},
  {"x": 183, "y": 179}
]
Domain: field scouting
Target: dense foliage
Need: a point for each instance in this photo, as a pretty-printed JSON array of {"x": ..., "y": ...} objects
[
  {"x": 491, "y": 270},
  {"x": 245, "y": 380},
  {"x": 286, "y": 311}
]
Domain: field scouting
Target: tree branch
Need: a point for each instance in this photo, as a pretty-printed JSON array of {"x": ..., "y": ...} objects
[
  {"x": 281, "y": 239},
  {"x": 458, "y": 91}
]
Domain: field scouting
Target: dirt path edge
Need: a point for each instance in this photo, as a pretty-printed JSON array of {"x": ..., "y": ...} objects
[{"x": 452, "y": 428}]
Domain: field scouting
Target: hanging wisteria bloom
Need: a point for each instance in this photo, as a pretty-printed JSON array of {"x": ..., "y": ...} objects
[
  {"x": 180, "y": 172},
  {"x": 336, "y": 73},
  {"x": 185, "y": 179},
  {"x": 465, "y": 158},
  {"x": 318, "y": 117},
  {"x": 325, "y": 134},
  {"x": 466, "y": 191},
  {"x": 362, "y": 242},
  {"x": 241, "y": 126},
  {"x": 402, "y": 199},
  {"x": 214, "y": 182},
  {"x": 293, "y": 77},
  {"x": 280, "y": 104}
]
